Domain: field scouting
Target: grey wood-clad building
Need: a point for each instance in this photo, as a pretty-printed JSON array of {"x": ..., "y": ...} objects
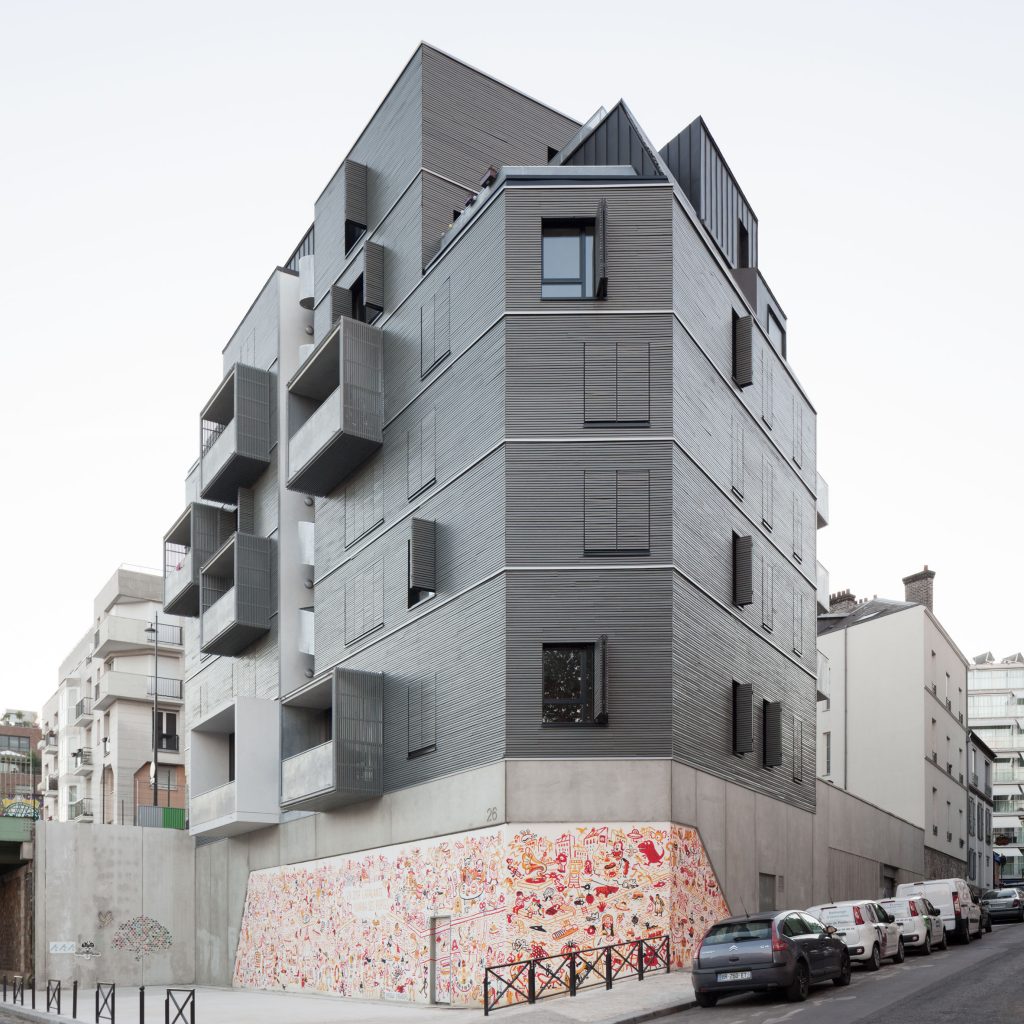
[{"x": 527, "y": 397}]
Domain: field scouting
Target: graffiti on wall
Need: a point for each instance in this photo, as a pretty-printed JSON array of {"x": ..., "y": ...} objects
[
  {"x": 141, "y": 936},
  {"x": 363, "y": 925},
  {"x": 19, "y": 807}
]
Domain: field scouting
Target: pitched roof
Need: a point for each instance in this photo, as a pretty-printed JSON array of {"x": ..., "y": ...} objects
[{"x": 876, "y": 608}]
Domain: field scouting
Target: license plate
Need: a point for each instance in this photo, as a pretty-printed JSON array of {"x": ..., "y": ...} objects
[{"x": 735, "y": 976}]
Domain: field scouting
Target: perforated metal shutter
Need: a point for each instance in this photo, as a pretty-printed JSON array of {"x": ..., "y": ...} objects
[
  {"x": 767, "y": 594},
  {"x": 599, "y": 500},
  {"x": 422, "y": 709},
  {"x": 772, "y": 728},
  {"x": 742, "y": 717},
  {"x": 767, "y": 490},
  {"x": 599, "y": 382},
  {"x": 355, "y": 192},
  {"x": 633, "y": 382},
  {"x": 633, "y": 510},
  {"x": 373, "y": 276},
  {"x": 742, "y": 570},
  {"x": 798, "y": 750},
  {"x": 738, "y": 468},
  {"x": 601, "y": 251},
  {"x": 422, "y": 563},
  {"x": 743, "y": 350},
  {"x": 341, "y": 305}
]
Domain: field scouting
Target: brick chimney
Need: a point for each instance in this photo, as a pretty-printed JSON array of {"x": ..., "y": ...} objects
[
  {"x": 919, "y": 587},
  {"x": 842, "y": 603}
]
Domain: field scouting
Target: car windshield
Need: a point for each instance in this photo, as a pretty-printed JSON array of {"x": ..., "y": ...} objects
[
  {"x": 1001, "y": 894},
  {"x": 739, "y": 931},
  {"x": 899, "y": 909},
  {"x": 834, "y": 915}
]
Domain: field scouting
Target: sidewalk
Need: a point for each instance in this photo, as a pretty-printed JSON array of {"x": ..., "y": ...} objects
[{"x": 629, "y": 1002}]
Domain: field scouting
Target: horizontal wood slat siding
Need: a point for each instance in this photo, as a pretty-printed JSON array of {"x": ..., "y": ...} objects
[
  {"x": 439, "y": 200},
  {"x": 639, "y": 245},
  {"x": 471, "y": 122},
  {"x": 710, "y": 650},
  {"x": 546, "y": 387},
  {"x": 575, "y": 606}
]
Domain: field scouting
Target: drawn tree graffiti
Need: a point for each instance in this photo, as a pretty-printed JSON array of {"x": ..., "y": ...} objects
[{"x": 142, "y": 935}]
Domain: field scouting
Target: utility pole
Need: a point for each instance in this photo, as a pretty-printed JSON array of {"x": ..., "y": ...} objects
[{"x": 155, "y": 630}]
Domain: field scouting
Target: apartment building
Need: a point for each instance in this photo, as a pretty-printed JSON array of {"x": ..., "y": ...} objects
[
  {"x": 497, "y": 564},
  {"x": 892, "y": 727},
  {"x": 98, "y": 726},
  {"x": 980, "y": 805},
  {"x": 996, "y": 699},
  {"x": 19, "y": 760}
]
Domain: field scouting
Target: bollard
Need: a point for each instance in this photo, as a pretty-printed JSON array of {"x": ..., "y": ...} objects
[
  {"x": 74, "y": 1000},
  {"x": 5, "y": 988},
  {"x": 33, "y": 991},
  {"x": 607, "y": 966},
  {"x": 486, "y": 1001},
  {"x": 531, "y": 983},
  {"x": 640, "y": 960},
  {"x": 142, "y": 1004}
]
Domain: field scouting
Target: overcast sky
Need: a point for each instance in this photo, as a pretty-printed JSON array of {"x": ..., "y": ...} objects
[{"x": 157, "y": 161}]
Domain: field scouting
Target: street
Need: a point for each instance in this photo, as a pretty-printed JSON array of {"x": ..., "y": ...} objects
[{"x": 983, "y": 981}]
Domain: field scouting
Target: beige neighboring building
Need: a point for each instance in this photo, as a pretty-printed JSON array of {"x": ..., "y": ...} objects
[
  {"x": 892, "y": 728},
  {"x": 98, "y": 729}
]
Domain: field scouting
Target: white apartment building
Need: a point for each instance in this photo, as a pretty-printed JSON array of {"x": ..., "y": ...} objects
[
  {"x": 98, "y": 726},
  {"x": 892, "y": 711},
  {"x": 980, "y": 767},
  {"x": 996, "y": 695}
]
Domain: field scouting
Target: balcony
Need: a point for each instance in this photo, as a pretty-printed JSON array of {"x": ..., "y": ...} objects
[
  {"x": 118, "y": 634},
  {"x": 48, "y": 744},
  {"x": 821, "y": 501},
  {"x": 824, "y": 677},
  {"x": 236, "y": 595},
  {"x": 336, "y": 400},
  {"x": 199, "y": 531},
  {"x": 80, "y": 810},
  {"x": 81, "y": 762},
  {"x": 332, "y": 731},
  {"x": 168, "y": 743},
  {"x": 236, "y": 433},
  {"x": 114, "y": 686},
  {"x": 822, "y": 589},
  {"x": 48, "y": 785},
  {"x": 83, "y": 712}
]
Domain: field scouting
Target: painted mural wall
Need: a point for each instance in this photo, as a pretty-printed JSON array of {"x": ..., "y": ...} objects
[{"x": 365, "y": 925}]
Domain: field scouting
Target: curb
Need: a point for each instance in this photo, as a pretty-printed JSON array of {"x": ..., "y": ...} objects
[{"x": 642, "y": 1018}]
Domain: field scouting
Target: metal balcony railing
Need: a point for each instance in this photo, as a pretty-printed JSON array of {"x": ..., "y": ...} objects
[
  {"x": 165, "y": 687},
  {"x": 82, "y": 757},
  {"x": 80, "y": 808},
  {"x": 168, "y": 741},
  {"x": 83, "y": 707}
]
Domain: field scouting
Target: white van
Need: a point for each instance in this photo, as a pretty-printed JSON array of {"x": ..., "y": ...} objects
[{"x": 961, "y": 915}]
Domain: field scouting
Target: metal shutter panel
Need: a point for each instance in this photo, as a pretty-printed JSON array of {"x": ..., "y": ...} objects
[
  {"x": 341, "y": 305},
  {"x": 601, "y": 251},
  {"x": 767, "y": 594},
  {"x": 355, "y": 192},
  {"x": 772, "y": 733},
  {"x": 442, "y": 320},
  {"x": 767, "y": 491},
  {"x": 599, "y": 499},
  {"x": 738, "y": 468},
  {"x": 427, "y": 357},
  {"x": 743, "y": 350},
  {"x": 768, "y": 387},
  {"x": 742, "y": 570},
  {"x": 798, "y": 750},
  {"x": 599, "y": 382},
  {"x": 633, "y": 386},
  {"x": 422, "y": 565},
  {"x": 633, "y": 510},
  {"x": 373, "y": 276},
  {"x": 742, "y": 717}
]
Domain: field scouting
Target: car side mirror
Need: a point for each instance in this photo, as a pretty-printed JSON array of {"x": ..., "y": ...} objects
[{"x": 830, "y": 929}]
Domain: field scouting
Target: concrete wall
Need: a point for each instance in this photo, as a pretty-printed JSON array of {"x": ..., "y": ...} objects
[{"x": 128, "y": 890}]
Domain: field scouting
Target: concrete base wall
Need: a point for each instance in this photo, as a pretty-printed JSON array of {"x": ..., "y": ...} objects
[
  {"x": 16, "y": 921},
  {"x": 941, "y": 865},
  {"x": 128, "y": 890}
]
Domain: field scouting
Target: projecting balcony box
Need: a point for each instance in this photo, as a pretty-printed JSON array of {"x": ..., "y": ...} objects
[
  {"x": 81, "y": 762},
  {"x": 113, "y": 686},
  {"x": 822, "y": 595},
  {"x": 236, "y": 594},
  {"x": 333, "y": 741},
  {"x": 117, "y": 634},
  {"x": 337, "y": 400},
  {"x": 821, "y": 501},
  {"x": 199, "y": 531},
  {"x": 83, "y": 712},
  {"x": 80, "y": 810},
  {"x": 235, "y": 434},
  {"x": 233, "y": 768}
]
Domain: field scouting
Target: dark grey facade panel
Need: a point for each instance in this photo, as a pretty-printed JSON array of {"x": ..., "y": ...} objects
[
  {"x": 742, "y": 570},
  {"x": 471, "y": 122},
  {"x": 631, "y": 608},
  {"x": 639, "y": 243},
  {"x": 422, "y": 556},
  {"x": 588, "y": 375},
  {"x": 615, "y": 142},
  {"x": 711, "y": 650},
  {"x": 743, "y": 350},
  {"x": 772, "y": 722},
  {"x": 565, "y": 501},
  {"x": 373, "y": 275},
  {"x": 742, "y": 717}
]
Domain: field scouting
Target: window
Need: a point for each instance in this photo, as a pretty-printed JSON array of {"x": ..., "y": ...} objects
[
  {"x": 742, "y": 350},
  {"x": 798, "y": 529},
  {"x": 742, "y": 570},
  {"x": 742, "y": 718},
  {"x": 422, "y": 466},
  {"x": 421, "y": 560},
  {"x": 435, "y": 328},
  {"x": 767, "y": 491},
  {"x": 570, "y": 696},
  {"x": 798, "y": 750},
  {"x": 827, "y": 741},
  {"x": 231, "y": 757},
  {"x": 167, "y": 730},
  {"x": 617, "y": 382},
  {"x": 772, "y": 733},
  {"x": 422, "y": 699},
  {"x": 794, "y": 925},
  {"x": 737, "y": 457},
  {"x": 776, "y": 334},
  {"x": 742, "y": 245},
  {"x": 567, "y": 260},
  {"x": 767, "y": 595},
  {"x": 616, "y": 510}
]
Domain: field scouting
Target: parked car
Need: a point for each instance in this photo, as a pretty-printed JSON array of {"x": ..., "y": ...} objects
[
  {"x": 870, "y": 932},
  {"x": 1004, "y": 904},
  {"x": 961, "y": 913},
  {"x": 986, "y": 916},
  {"x": 788, "y": 951},
  {"x": 920, "y": 923}
]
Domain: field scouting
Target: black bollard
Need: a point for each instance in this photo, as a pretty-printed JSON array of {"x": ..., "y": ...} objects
[
  {"x": 74, "y": 1000},
  {"x": 142, "y": 1004}
]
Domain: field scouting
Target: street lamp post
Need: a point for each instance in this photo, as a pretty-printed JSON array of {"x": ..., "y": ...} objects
[{"x": 155, "y": 630}]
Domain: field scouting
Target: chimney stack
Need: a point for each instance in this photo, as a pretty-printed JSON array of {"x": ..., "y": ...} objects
[
  {"x": 919, "y": 587},
  {"x": 842, "y": 603}
]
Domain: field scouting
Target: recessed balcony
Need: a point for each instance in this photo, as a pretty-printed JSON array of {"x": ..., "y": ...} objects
[
  {"x": 236, "y": 595},
  {"x": 118, "y": 634},
  {"x": 83, "y": 712},
  {"x": 80, "y": 810},
  {"x": 236, "y": 431},
  {"x": 114, "y": 686},
  {"x": 336, "y": 408},
  {"x": 333, "y": 737},
  {"x": 81, "y": 761},
  {"x": 199, "y": 531}
]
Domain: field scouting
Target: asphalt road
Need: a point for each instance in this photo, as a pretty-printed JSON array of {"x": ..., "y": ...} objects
[{"x": 981, "y": 982}]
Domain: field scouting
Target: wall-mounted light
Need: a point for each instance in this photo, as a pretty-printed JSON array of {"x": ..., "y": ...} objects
[{"x": 309, "y": 328}]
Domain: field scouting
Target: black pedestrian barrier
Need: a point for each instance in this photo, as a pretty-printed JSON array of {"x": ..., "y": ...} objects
[
  {"x": 18, "y": 990},
  {"x": 53, "y": 995},
  {"x": 180, "y": 999},
  {"x": 74, "y": 1000},
  {"x": 33, "y": 980},
  {"x": 526, "y": 981},
  {"x": 104, "y": 1002},
  {"x": 142, "y": 1004},
  {"x": 5, "y": 988}
]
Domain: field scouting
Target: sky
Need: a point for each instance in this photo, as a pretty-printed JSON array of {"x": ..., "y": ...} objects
[{"x": 157, "y": 161}]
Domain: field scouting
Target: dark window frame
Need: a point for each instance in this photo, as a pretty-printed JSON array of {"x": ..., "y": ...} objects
[
  {"x": 585, "y": 227},
  {"x": 587, "y": 701}
]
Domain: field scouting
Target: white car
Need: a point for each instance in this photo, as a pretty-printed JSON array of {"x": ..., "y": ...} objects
[
  {"x": 961, "y": 914},
  {"x": 870, "y": 932},
  {"x": 920, "y": 923}
]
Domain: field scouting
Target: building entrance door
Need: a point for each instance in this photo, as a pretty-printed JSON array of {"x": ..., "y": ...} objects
[{"x": 441, "y": 960}]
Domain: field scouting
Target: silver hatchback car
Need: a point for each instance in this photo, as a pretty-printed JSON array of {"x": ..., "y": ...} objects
[{"x": 787, "y": 950}]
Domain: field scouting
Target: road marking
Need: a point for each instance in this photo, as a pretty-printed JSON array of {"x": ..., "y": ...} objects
[{"x": 779, "y": 1020}]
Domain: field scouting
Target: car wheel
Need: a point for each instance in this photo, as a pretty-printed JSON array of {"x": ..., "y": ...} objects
[
  {"x": 801, "y": 985},
  {"x": 875, "y": 962},
  {"x": 901, "y": 952},
  {"x": 705, "y": 999},
  {"x": 845, "y": 973},
  {"x": 927, "y": 951},
  {"x": 965, "y": 933},
  {"x": 944, "y": 945}
]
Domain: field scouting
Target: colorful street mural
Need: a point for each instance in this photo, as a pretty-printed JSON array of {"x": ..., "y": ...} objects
[
  {"x": 19, "y": 807},
  {"x": 363, "y": 925}
]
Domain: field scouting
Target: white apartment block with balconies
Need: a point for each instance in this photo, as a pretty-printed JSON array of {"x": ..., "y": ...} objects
[{"x": 98, "y": 727}]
